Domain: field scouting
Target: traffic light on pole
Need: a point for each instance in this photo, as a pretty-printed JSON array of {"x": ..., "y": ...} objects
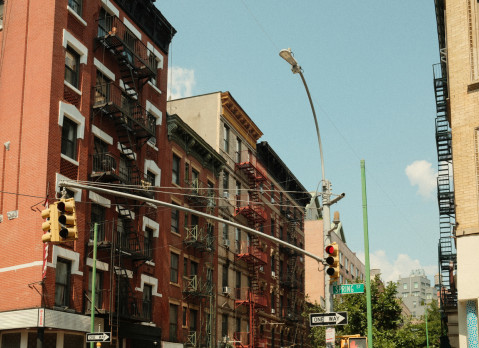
[
  {"x": 51, "y": 224},
  {"x": 358, "y": 342},
  {"x": 333, "y": 261},
  {"x": 67, "y": 220}
]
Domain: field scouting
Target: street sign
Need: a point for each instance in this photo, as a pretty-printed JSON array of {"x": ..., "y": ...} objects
[
  {"x": 348, "y": 289},
  {"x": 330, "y": 335},
  {"x": 98, "y": 337},
  {"x": 325, "y": 319}
]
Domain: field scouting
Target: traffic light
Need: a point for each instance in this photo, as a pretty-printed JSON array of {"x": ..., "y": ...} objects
[
  {"x": 51, "y": 224},
  {"x": 333, "y": 261},
  {"x": 358, "y": 342},
  {"x": 67, "y": 220}
]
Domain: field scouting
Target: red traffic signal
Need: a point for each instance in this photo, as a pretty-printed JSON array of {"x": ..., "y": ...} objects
[{"x": 333, "y": 261}]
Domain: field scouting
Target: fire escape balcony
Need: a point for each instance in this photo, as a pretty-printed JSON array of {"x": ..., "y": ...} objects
[
  {"x": 129, "y": 51},
  {"x": 251, "y": 254},
  {"x": 109, "y": 167},
  {"x": 124, "y": 109},
  {"x": 197, "y": 237},
  {"x": 191, "y": 339},
  {"x": 252, "y": 211},
  {"x": 252, "y": 169},
  {"x": 247, "y": 296},
  {"x": 194, "y": 286},
  {"x": 200, "y": 195},
  {"x": 130, "y": 242}
]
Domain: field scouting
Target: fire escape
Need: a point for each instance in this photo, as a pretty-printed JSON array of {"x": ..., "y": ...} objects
[
  {"x": 119, "y": 105},
  {"x": 445, "y": 192},
  {"x": 201, "y": 238},
  {"x": 251, "y": 209},
  {"x": 291, "y": 280}
]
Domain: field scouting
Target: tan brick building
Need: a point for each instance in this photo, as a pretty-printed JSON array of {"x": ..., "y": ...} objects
[{"x": 456, "y": 81}]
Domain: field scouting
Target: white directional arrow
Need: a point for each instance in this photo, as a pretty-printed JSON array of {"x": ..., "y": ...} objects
[
  {"x": 324, "y": 319},
  {"x": 98, "y": 337}
]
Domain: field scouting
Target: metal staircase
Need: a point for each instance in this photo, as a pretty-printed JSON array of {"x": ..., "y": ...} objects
[{"x": 445, "y": 192}]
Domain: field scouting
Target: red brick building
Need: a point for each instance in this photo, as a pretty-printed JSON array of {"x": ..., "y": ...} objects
[{"x": 83, "y": 97}]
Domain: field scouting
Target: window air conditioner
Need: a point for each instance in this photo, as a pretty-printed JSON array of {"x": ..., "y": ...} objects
[
  {"x": 226, "y": 194},
  {"x": 273, "y": 274},
  {"x": 226, "y": 290},
  {"x": 273, "y": 311},
  {"x": 226, "y": 243},
  {"x": 272, "y": 200}
]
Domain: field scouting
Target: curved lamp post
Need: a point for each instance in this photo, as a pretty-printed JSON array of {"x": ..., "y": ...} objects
[{"x": 287, "y": 55}]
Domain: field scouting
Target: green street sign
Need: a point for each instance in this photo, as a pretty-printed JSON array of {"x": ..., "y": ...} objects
[{"x": 348, "y": 289}]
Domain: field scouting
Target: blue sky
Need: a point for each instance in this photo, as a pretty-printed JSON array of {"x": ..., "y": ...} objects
[{"x": 368, "y": 66}]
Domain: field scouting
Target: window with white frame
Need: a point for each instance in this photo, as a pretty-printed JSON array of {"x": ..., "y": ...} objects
[
  {"x": 69, "y": 138},
  {"x": 72, "y": 67},
  {"x": 76, "y": 5}
]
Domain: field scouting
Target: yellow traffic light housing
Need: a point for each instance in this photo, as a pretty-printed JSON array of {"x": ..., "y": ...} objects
[
  {"x": 67, "y": 220},
  {"x": 61, "y": 224},
  {"x": 50, "y": 226},
  {"x": 333, "y": 262}
]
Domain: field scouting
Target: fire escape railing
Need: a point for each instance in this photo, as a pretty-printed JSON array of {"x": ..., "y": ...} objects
[{"x": 445, "y": 192}]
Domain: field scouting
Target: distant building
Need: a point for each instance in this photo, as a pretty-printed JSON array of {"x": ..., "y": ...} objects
[
  {"x": 351, "y": 267},
  {"x": 416, "y": 292}
]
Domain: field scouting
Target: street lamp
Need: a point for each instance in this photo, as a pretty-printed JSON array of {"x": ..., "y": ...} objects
[{"x": 287, "y": 55}]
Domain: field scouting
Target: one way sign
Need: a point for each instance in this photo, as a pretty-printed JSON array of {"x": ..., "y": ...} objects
[
  {"x": 325, "y": 319},
  {"x": 98, "y": 337}
]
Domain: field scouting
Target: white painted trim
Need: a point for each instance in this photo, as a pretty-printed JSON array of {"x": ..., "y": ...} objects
[
  {"x": 157, "y": 54},
  {"x": 155, "y": 226},
  {"x": 95, "y": 197},
  {"x": 102, "y": 266},
  {"x": 102, "y": 135},
  {"x": 73, "y": 42},
  {"x": 110, "y": 8},
  {"x": 73, "y": 114},
  {"x": 76, "y": 15},
  {"x": 25, "y": 265},
  {"x": 153, "y": 167},
  {"x": 130, "y": 154},
  {"x": 154, "y": 87},
  {"x": 122, "y": 207},
  {"x": 132, "y": 28},
  {"x": 73, "y": 88},
  {"x": 73, "y": 256},
  {"x": 152, "y": 145},
  {"x": 152, "y": 109},
  {"x": 71, "y": 160},
  {"x": 146, "y": 279},
  {"x": 77, "y": 192},
  {"x": 104, "y": 70}
]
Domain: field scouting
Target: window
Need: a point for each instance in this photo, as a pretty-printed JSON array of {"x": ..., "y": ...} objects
[
  {"x": 98, "y": 213},
  {"x": 225, "y": 276},
  {"x": 272, "y": 193},
  {"x": 226, "y": 138},
  {"x": 102, "y": 89},
  {"x": 147, "y": 290},
  {"x": 238, "y": 285},
  {"x": 148, "y": 242},
  {"x": 238, "y": 324},
  {"x": 193, "y": 268},
  {"x": 237, "y": 239},
  {"x": 225, "y": 232},
  {"x": 404, "y": 286},
  {"x": 175, "y": 220},
  {"x": 150, "y": 179},
  {"x": 62, "y": 283},
  {"x": 224, "y": 325},
  {"x": 175, "y": 175},
  {"x": 185, "y": 267},
  {"x": 173, "y": 322},
  {"x": 273, "y": 302},
  {"x": 416, "y": 285},
  {"x": 226, "y": 183},
  {"x": 238, "y": 150},
  {"x": 184, "y": 316},
  {"x": 98, "y": 287},
  {"x": 76, "y": 5},
  {"x": 69, "y": 138},
  {"x": 187, "y": 172},
  {"x": 174, "y": 268},
  {"x": 238, "y": 194},
  {"x": 193, "y": 319},
  {"x": 72, "y": 67}
]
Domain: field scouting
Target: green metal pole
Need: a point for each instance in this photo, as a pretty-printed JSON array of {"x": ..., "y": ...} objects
[
  {"x": 93, "y": 283},
  {"x": 366, "y": 256},
  {"x": 427, "y": 331}
]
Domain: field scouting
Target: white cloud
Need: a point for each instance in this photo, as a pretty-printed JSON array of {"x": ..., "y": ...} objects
[
  {"x": 421, "y": 174},
  {"x": 401, "y": 267},
  {"x": 181, "y": 82}
]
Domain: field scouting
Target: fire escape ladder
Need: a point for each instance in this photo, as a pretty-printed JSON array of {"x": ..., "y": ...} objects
[
  {"x": 445, "y": 192},
  {"x": 128, "y": 78}
]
